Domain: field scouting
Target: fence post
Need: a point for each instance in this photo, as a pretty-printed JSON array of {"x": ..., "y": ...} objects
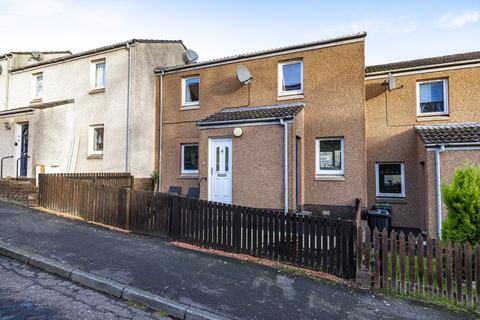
[
  {"x": 362, "y": 274},
  {"x": 127, "y": 202}
]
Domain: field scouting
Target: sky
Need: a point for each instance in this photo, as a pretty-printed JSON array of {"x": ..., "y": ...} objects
[{"x": 397, "y": 30}]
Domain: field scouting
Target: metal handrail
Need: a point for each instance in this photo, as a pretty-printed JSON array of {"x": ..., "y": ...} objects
[
  {"x": 27, "y": 157},
  {"x": 1, "y": 165}
]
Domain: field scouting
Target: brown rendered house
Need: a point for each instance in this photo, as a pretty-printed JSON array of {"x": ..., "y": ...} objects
[{"x": 314, "y": 130}]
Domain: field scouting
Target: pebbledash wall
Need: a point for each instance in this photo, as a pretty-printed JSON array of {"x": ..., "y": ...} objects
[
  {"x": 391, "y": 117},
  {"x": 334, "y": 99},
  {"x": 53, "y": 128}
]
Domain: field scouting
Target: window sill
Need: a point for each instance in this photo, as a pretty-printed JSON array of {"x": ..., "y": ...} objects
[
  {"x": 37, "y": 100},
  {"x": 289, "y": 97},
  {"x": 193, "y": 107},
  {"x": 95, "y": 156},
  {"x": 320, "y": 177},
  {"x": 97, "y": 90},
  {"x": 189, "y": 176},
  {"x": 399, "y": 200},
  {"x": 421, "y": 118}
]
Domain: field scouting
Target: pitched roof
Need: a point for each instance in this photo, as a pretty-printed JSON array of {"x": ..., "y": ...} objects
[
  {"x": 97, "y": 50},
  {"x": 263, "y": 52},
  {"x": 426, "y": 63},
  {"x": 456, "y": 133},
  {"x": 275, "y": 112},
  {"x": 4, "y": 55}
]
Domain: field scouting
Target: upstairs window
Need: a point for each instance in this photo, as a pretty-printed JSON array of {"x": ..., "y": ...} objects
[
  {"x": 96, "y": 139},
  {"x": 390, "y": 179},
  {"x": 189, "y": 159},
  {"x": 191, "y": 91},
  {"x": 432, "y": 97},
  {"x": 37, "y": 86},
  {"x": 98, "y": 74},
  {"x": 330, "y": 157},
  {"x": 290, "y": 78}
]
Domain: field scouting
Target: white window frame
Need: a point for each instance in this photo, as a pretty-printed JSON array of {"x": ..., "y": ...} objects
[
  {"x": 34, "y": 94},
  {"x": 93, "y": 73},
  {"x": 321, "y": 172},
  {"x": 445, "y": 98},
  {"x": 91, "y": 137},
  {"x": 377, "y": 181},
  {"x": 280, "y": 78},
  {"x": 182, "y": 163},
  {"x": 184, "y": 90}
]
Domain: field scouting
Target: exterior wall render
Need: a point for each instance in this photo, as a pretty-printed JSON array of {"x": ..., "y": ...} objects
[
  {"x": 390, "y": 120},
  {"x": 334, "y": 98}
]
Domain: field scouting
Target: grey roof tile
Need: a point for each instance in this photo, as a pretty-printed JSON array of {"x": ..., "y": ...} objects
[
  {"x": 253, "y": 114},
  {"x": 454, "y": 133}
]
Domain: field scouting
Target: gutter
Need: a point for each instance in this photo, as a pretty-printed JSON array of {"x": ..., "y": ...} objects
[
  {"x": 161, "y": 134},
  {"x": 211, "y": 123},
  {"x": 285, "y": 164},
  {"x": 438, "y": 190}
]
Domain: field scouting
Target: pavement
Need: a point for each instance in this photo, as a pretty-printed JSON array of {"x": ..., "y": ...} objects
[
  {"x": 28, "y": 293},
  {"x": 228, "y": 287}
]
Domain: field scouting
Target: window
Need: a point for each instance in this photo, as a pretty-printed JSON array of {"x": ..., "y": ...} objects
[
  {"x": 330, "y": 157},
  {"x": 98, "y": 74},
  {"x": 37, "y": 86},
  {"x": 96, "y": 140},
  {"x": 432, "y": 97},
  {"x": 390, "y": 179},
  {"x": 189, "y": 159},
  {"x": 191, "y": 91},
  {"x": 290, "y": 78}
]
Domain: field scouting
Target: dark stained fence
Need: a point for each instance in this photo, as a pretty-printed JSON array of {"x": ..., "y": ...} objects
[
  {"x": 120, "y": 179},
  {"x": 84, "y": 198},
  {"x": 301, "y": 240},
  {"x": 421, "y": 266}
]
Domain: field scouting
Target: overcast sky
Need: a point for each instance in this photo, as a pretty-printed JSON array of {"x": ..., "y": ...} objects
[{"x": 397, "y": 30}]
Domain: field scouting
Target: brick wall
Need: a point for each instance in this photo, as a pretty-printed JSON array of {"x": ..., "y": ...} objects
[{"x": 21, "y": 191}]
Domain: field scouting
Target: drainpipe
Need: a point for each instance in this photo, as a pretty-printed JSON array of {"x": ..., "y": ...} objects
[
  {"x": 285, "y": 163},
  {"x": 127, "y": 139},
  {"x": 7, "y": 81},
  {"x": 161, "y": 134},
  {"x": 439, "y": 150}
]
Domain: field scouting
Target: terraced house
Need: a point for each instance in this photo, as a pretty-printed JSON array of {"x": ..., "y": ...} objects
[{"x": 93, "y": 111}]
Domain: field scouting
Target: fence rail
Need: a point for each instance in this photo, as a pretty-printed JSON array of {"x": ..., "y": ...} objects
[
  {"x": 418, "y": 266},
  {"x": 120, "y": 179}
]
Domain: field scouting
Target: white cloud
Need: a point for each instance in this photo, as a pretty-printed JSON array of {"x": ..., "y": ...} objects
[{"x": 457, "y": 21}]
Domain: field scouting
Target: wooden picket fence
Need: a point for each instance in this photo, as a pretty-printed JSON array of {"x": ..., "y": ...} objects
[
  {"x": 300, "y": 240},
  {"x": 88, "y": 199},
  {"x": 420, "y": 266}
]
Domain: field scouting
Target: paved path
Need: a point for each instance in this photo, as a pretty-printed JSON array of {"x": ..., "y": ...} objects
[
  {"x": 223, "y": 285},
  {"x": 28, "y": 293}
]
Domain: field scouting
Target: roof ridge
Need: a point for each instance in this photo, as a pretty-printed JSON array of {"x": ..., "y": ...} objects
[
  {"x": 448, "y": 125},
  {"x": 264, "y": 107}
]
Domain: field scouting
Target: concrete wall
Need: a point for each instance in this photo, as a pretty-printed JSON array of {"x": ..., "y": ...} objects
[
  {"x": 52, "y": 130},
  {"x": 390, "y": 120},
  {"x": 334, "y": 97}
]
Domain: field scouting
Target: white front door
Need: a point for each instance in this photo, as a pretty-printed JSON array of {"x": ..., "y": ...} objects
[{"x": 220, "y": 162}]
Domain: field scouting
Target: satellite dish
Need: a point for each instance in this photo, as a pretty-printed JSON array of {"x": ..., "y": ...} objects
[
  {"x": 191, "y": 56},
  {"x": 243, "y": 74},
  {"x": 391, "y": 82},
  {"x": 37, "y": 55}
]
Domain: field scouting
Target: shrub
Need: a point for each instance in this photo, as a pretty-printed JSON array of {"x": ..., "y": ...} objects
[
  {"x": 462, "y": 199},
  {"x": 155, "y": 177}
]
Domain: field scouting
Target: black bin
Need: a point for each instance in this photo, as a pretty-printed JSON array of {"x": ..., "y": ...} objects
[{"x": 379, "y": 218}]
